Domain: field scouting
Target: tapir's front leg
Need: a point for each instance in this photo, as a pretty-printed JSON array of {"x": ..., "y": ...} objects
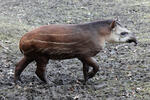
[
  {"x": 85, "y": 70},
  {"x": 88, "y": 61},
  {"x": 91, "y": 62}
]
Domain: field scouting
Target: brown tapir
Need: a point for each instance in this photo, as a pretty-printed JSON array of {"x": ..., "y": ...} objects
[{"x": 82, "y": 41}]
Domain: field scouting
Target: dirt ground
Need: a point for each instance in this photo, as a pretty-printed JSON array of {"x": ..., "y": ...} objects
[{"x": 124, "y": 68}]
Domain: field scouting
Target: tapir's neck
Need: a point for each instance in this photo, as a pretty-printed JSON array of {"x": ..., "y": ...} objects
[{"x": 97, "y": 29}]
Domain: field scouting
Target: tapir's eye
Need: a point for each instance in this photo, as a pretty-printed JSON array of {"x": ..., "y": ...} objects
[{"x": 124, "y": 33}]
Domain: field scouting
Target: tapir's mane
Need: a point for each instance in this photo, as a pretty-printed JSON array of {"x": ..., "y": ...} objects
[
  {"x": 100, "y": 23},
  {"x": 107, "y": 22}
]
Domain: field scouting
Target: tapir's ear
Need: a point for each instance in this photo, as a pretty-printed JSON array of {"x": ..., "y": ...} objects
[{"x": 113, "y": 24}]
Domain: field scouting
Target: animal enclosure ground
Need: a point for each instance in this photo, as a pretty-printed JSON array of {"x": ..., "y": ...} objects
[{"x": 124, "y": 68}]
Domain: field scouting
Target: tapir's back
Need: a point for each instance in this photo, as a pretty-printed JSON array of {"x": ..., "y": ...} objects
[{"x": 57, "y": 41}]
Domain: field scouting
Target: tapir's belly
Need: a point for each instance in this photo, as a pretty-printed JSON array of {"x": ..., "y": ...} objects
[
  {"x": 60, "y": 50},
  {"x": 60, "y": 54},
  {"x": 65, "y": 51}
]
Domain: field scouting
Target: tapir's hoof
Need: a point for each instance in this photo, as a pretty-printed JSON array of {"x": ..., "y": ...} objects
[
  {"x": 42, "y": 78},
  {"x": 18, "y": 80},
  {"x": 44, "y": 81},
  {"x": 82, "y": 81}
]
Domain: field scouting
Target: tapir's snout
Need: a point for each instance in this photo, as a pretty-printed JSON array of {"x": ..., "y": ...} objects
[{"x": 133, "y": 39}]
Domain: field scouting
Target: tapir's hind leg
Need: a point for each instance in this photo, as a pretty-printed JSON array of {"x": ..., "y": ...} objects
[
  {"x": 21, "y": 65},
  {"x": 41, "y": 67}
]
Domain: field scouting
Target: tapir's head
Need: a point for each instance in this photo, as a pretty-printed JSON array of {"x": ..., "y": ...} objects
[{"x": 120, "y": 34}]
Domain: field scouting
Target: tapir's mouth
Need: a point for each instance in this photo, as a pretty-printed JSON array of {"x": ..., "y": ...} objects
[{"x": 132, "y": 40}]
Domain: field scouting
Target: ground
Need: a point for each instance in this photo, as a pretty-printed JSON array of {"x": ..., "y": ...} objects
[{"x": 124, "y": 68}]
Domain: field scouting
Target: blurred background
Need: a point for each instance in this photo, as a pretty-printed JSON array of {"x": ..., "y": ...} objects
[{"x": 124, "y": 68}]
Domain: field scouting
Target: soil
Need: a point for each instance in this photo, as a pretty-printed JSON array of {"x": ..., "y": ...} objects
[{"x": 124, "y": 68}]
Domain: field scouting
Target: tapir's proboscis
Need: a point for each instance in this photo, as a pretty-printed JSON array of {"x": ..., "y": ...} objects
[{"x": 57, "y": 42}]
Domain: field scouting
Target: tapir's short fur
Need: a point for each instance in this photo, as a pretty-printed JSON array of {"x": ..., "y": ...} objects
[{"x": 82, "y": 41}]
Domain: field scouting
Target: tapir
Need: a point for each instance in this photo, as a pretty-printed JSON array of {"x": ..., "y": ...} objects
[{"x": 67, "y": 41}]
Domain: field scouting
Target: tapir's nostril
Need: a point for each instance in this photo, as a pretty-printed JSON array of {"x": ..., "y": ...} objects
[{"x": 132, "y": 40}]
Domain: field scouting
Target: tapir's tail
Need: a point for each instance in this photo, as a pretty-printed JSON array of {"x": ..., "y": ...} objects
[{"x": 25, "y": 46}]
